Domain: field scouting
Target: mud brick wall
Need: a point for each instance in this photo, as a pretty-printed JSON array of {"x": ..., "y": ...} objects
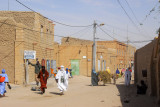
[{"x": 7, "y": 50}]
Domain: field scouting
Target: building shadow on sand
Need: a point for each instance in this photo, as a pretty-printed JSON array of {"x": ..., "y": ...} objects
[{"x": 129, "y": 98}]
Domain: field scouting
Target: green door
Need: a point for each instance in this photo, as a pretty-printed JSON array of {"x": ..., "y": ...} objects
[{"x": 75, "y": 67}]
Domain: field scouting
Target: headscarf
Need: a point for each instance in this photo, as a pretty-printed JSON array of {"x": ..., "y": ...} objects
[
  {"x": 66, "y": 70},
  {"x": 3, "y": 71},
  {"x": 117, "y": 71},
  {"x": 62, "y": 68}
]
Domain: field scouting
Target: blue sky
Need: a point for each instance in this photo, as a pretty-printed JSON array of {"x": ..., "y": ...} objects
[{"x": 84, "y": 12}]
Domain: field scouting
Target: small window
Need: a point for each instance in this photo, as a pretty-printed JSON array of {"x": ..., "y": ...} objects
[
  {"x": 144, "y": 73},
  {"x": 41, "y": 30}
]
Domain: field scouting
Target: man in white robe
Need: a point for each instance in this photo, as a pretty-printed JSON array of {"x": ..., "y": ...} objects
[
  {"x": 61, "y": 77},
  {"x": 127, "y": 77}
]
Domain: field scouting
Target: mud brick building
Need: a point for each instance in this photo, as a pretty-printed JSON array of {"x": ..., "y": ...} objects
[
  {"x": 20, "y": 31},
  {"x": 77, "y": 54},
  {"x": 119, "y": 54}
]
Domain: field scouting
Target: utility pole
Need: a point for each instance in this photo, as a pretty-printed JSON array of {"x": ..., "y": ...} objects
[
  {"x": 159, "y": 28},
  {"x": 94, "y": 78},
  {"x": 127, "y": 47},
  {"x": 94, "y": 46},
  {"x": 8, "y": 5},
  {"x": 113, "y": 33}
]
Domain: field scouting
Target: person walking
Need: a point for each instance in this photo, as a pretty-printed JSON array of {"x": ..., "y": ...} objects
[
  {"x": 127, "y": 77},
  {"x": 61, "y": 78},
  {"x": 70, "y": 71},
  {"x": 108, "y": 70},
  {"x": 43, "y": 76},
  {"x": 66, "y": 77},
  {"x": 117, "y": 71},
  {"x": 3, "y": 83},
  {"x": 37, "y": 70},
  {"x": 114, "y": 78},
  {"x": 122, "y": 72}
]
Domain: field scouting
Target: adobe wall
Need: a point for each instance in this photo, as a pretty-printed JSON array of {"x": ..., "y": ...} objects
[
  {"x": 143, "y": 58},
  {"x": 7, "y": 47}
]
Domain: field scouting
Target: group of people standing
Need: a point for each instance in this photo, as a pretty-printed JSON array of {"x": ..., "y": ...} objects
[
  {"x": 124, "y": 73},
  {"x": 42, "y": 75}
]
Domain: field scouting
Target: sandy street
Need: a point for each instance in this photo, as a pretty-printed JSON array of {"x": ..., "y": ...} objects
[{"x": 79, "y": 94}]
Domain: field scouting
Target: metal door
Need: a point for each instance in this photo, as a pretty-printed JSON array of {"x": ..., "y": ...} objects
[
  {"x": 104, "y": 65},
  {"x": 75, "y": 67},
  {"x": 53, "y": 65},
  {"x": 99, "y": 65}
]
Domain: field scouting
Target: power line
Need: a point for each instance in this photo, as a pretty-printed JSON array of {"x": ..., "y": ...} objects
[
  {"x": 128, "y": 41},
  {"x": 137, "y": 41},
  {"x": 124, "y": 30},
  {"x": 10, "y": 52},
  {"x": 30, "y": 29},
  {"x": 49, "y": 18},
  {"x": 105, "y": 32},
  {"x": 25, "y": 6},
  {"x": 153, "y": 9},
  {"x": 132, "y": 12},
  {"x": 113, "y": 33},
  {"x": 132, "y": 42},
  {"x": 123, "y": 41},
  {"x": 31, "y": 37},
  {"x": 80, "y": 31},
  {"x": 4, "y": 22},
  {"x": 128, "y": 15}
]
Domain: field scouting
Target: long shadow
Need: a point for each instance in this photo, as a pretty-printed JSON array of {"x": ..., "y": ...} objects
[
  {"x": 38, "y": 92},
  {"x": 55, "y": 93},
  {"x": 96, "y": 86},
  {"x": 3, "y": 97},
  {"x": 129, "y": 97}
]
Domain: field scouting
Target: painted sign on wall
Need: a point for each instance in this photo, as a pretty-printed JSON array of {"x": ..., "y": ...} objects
[{"x": 29, "y": 54}]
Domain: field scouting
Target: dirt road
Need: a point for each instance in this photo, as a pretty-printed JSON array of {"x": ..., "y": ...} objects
[{"x": 79, "y": 94}]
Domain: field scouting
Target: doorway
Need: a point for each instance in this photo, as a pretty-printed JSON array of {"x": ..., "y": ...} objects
[{"x": 75, "y": 67}]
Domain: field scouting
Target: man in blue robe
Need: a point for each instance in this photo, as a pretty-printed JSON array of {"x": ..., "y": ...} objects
[
  {"x": 117, "y": 71},
  {"x": 3, "y": 84}
]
